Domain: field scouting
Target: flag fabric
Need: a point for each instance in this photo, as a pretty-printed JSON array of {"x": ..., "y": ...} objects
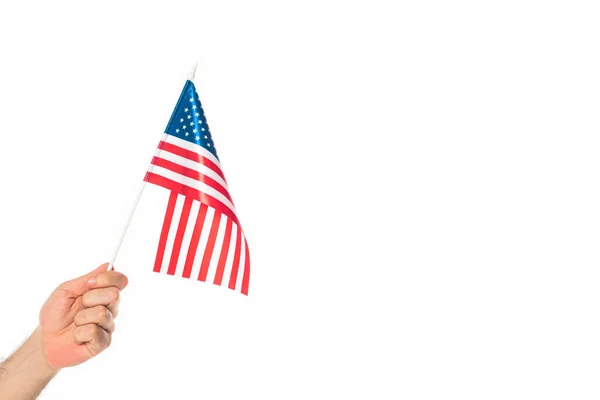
[{"x": 201, "y": 236}]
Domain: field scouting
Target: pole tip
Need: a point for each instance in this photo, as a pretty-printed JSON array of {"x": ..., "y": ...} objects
[{"x": 192, "y": 72}]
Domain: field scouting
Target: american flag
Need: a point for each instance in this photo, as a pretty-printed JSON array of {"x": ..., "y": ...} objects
[{"x": 201, "y": 236}]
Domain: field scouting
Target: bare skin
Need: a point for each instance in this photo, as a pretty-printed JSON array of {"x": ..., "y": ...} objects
[{"x": 76, "y": 324}]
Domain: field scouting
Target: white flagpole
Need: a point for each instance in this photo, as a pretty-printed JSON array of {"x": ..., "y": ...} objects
[
  {"x": 191, "y": 76},
  {"x": 135, "y": 204},
  {"x": 192, "y": 73}
]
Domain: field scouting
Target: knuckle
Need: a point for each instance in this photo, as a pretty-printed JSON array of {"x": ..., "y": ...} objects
[
  {"x": 97, "y": 333},
  {"x": 85, "y": 299},
  {"x": 114, "y": 294},
  {"x": 80, "y": 318},
  {"x": 103, "y": 314},
  {"x": 84, "y": 332},
  {"x": 92, "y": 330},
  {"x": 106, "y": 341}
]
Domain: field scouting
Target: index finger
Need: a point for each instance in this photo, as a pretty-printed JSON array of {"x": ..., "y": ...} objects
[{"x": 111, "y": 278}]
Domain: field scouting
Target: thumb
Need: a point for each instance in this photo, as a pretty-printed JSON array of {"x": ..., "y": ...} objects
[{"x": 78, "y": 286}]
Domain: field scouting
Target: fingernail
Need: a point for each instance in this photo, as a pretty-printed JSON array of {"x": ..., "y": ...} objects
[{"x": 92, "y": 281}]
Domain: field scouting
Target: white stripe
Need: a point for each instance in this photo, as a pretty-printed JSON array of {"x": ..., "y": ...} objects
[
  {"x": 203, "y": 169},
  {"x": 196, "y": 148},
  {"x": 210, "y": 213},
  {"x": 201, "y": 186},
  {"x": 230, "y": 254},
  {"x": 214, "y": 260},
  {"x": 240, "y": 276},
  {"x": 172, "y": 233},
  {"x": 187, "y": 237}
]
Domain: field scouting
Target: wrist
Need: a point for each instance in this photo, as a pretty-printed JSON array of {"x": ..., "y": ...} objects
[
  {"x": 26, "y": 372},
  {"x": 38, "y": 356}
]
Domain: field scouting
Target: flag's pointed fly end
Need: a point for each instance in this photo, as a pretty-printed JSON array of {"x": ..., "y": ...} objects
[{"x": 192, "y": 72}]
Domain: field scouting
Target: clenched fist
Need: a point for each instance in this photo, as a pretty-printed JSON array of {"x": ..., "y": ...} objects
[{"x": 77, "y": 320}]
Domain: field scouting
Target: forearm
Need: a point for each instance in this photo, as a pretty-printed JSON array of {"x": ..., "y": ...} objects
[{"x": 26, "y": 373}]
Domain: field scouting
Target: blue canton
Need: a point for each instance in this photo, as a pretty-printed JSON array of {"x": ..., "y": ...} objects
[{"x": 188, "y": 121}]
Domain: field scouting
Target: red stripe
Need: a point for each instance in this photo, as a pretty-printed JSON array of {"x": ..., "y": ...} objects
[
  {"x": 191, "y": 254},
  {"x": 191, "y": 192},
  {"x": 210, "y": 246},
  {"x": 236, "y": 259},
  {"x": 185, "y": 214},
  {"x": 190, "y": 173},
  {"x": 191, "y": 155},
  {"x": 160, "y": 253},
  {"x": 224, "y": 251},
  {"x": 246, "y": 277}
]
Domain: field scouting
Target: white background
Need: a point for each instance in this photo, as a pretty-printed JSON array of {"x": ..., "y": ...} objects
[{"x": 418, "y": 182}]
